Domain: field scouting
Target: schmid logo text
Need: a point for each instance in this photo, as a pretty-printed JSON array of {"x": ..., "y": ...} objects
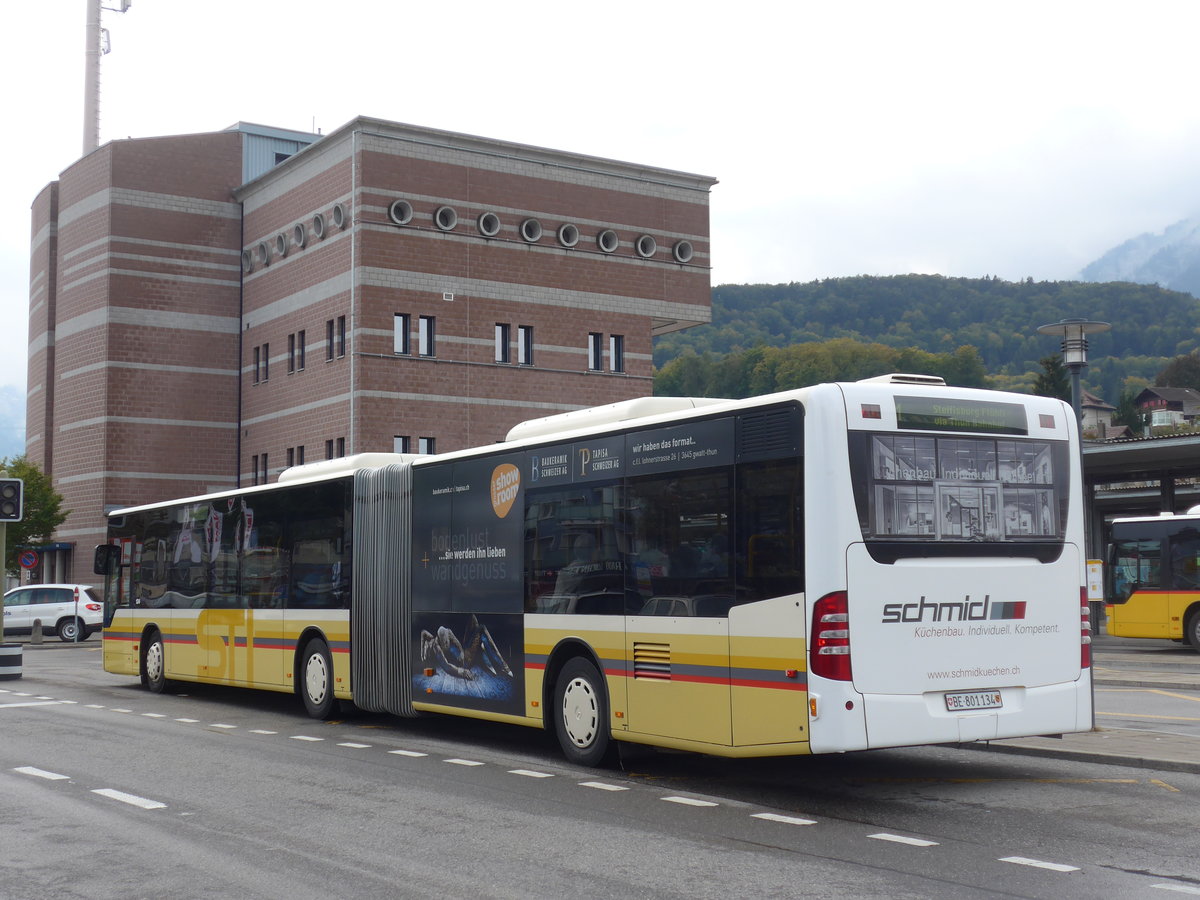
[{"x": 965, "y": 610}]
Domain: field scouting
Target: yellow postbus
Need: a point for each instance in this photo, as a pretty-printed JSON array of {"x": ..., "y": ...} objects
[{"x": 1153, "y": 577}]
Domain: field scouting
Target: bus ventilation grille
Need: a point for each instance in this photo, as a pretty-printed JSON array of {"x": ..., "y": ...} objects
[{"x": 652, "y": 661}]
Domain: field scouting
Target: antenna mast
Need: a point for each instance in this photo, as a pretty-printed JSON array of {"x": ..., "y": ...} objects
[{"x": 96, "y": 39}]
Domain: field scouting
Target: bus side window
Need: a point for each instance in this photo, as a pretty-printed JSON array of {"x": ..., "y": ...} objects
[
  {"x": 1185, "y": 554},
  {"x": 1135, "y": 564}
]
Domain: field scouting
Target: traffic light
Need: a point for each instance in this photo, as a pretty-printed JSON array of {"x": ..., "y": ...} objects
[{"x": 12, "y": 497}]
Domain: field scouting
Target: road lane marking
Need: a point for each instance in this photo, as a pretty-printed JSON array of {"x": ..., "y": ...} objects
[
  {"x": 354, "y": 746},
  {"x": 188, "y": 721},
  {"x": 221, "y": 725},
  {"x": 262, "y": 731},
  {"x": 1178, "y": 888},
  {"x": 529, "y": 773},
  {"x": 603, "y": 786},
  {"x": 131, "y": 799},
  {"x": 305, "y": 737},
  {"x": 901, "y": 839},
  {"x": 1038, "y": 864},
  {"x": 1164, "y": 785},
  {"x": 41, "y": 773},
  {"x": 462, "y": 762},
  {"x": 688, "y": 801},
  {"x": 154, "y": 715},
  {"x": 30, "y": 703},
  {"x": 412, "y": 753},
  {"x": 783, "y": 820}
]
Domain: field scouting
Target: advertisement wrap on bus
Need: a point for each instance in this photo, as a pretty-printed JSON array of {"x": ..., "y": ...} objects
[{"x": 886, "y": 563}]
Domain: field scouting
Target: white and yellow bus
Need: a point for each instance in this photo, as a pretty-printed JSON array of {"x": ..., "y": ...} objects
[
  {"x": 1153, "y": 576},
  {"x": 886, "y": 563}
]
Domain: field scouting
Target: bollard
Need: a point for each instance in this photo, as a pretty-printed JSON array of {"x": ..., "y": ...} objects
[
  {"x": 10, "y": 661},
  {"x": 35, "y": 636}
]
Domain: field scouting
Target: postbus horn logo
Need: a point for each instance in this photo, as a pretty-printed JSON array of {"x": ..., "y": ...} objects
[{"x": 506, "y": 482}]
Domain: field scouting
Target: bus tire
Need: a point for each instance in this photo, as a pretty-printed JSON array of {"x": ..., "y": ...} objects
[
  {"x": 1191, "y": 634},
  {"x": 581, "y": 714},
  {"x": 154, "y": 664},
  {"x": 315, "y": 683}
]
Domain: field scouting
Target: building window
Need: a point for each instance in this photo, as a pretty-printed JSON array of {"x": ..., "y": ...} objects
[
  {"x": 426, "y": 445},
  {"x": 300, "y": 350},
  {"x": 525, "y": 345},
  {"x": 341, "y": 447},
  {"x": 265, "y": 469},
  {"x": 401, "y": 443},
  {"x": 401, "y": 333},
  {"x": 341, "y": 336},
  {"x": 616, "y": 352},
  {"x": 300, "y": 454},
  {"x": 595, "y": 348},
  {"x": 503, "y": 343},
  {"x": 291, "y": 354},
  {"x": 329, "y": 449},
  {"x": 426, "y": 337},
  {"x": 291, "y": 456},
  {"x": 257, "y": 363},
  {"x": 329, "y": 339},
  {"x": 254, "y": 467},
  {"x": 266, "y": 362}
]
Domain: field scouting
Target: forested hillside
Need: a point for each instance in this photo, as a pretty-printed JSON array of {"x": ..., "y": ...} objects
[{"x": 939, "y": 315}]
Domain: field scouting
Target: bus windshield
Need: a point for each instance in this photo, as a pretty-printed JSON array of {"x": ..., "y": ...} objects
[{"x": 933, "y": 488}]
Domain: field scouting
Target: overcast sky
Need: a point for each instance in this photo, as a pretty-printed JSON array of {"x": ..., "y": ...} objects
[{"x": 967, "y": 138}]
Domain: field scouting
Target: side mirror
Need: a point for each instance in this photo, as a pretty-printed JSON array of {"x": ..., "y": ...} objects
[{"x": 107, "y": 559}]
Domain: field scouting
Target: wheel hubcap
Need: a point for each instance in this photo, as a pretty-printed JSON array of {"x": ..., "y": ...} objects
[
  {"x": 316, "y": 678},
  {"x": 580, "y": 713},
  {"x": 154, "y": 661}
]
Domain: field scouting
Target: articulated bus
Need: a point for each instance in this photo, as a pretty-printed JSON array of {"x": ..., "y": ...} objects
[
  {"x": 1153, "y": 577},
  {"x": 886, "y": 563}
]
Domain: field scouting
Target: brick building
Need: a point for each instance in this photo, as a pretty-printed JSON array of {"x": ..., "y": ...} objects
[{"x": 208, "y": 309}]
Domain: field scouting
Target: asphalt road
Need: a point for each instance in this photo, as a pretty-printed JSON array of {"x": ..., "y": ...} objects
[{"x": 108, "y": 791}]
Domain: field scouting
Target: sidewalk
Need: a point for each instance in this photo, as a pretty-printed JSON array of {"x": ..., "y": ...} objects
[{"x": 1119, "y": 746}]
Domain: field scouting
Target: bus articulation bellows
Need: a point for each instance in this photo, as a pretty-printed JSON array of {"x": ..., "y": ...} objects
[{"x": 847, "y": 566}]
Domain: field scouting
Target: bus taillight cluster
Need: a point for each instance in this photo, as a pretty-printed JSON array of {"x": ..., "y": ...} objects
[
  {"x": 831, "y": 637},
  {"x": 1085, "y": 630}
]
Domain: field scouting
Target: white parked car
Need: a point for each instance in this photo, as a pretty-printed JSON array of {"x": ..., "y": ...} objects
[{"x": 56, "y": 606}]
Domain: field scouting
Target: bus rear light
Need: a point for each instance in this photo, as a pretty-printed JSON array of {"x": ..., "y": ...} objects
[
  {"x": 830, "y": 637},
  {"x": 1085, "y": 630}
]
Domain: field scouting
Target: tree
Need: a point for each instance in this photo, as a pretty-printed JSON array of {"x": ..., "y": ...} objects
[
  {"x": 1180, "y": 372},
  {"x": 43, "y": 508},
  {"x": 1052, "y": 381},
  {"x": 1128, "y": 414}
]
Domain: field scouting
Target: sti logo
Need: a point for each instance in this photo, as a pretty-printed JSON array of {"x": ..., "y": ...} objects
[{"x": 965, "y": 610}]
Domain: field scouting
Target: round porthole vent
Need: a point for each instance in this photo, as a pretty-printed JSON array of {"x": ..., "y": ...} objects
[
  {"x": 531, "y": 230},
  {"x": 400, "y": 212},
  {"x": 607, "y": 240},
  {"x": 338, "y": 216},
  {"x": 646, "y": 246},
  {"x": 281, "y": 244},
  {"x": 445, "y": 218},
  {"x": 264, "y": 253},
  {"x": 682, "y": 251},
  {"x": 300, "y": 235},
  {"x": 247, "y": 262},
  {"x": 568, "y": 235},
  {"x": 489, "y": 224},
  {"x": 318, "y": 226}
]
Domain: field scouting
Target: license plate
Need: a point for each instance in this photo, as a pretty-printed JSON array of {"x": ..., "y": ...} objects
[{"x": 964, "y": 701}]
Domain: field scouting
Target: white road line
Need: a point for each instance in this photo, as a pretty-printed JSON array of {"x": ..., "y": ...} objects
[
  {"x": 262, "y": 731},
  {"x": 45, "y": 698},
  {"x": 688, "y": 801},
  {"x": 786, "y": 820},
  {"x": 1178, "y": 888},
  {"x": 412, "y": 753},
  {"x": 154, "y": 715},
  {"x": 305, "y": 737},
  {"x": 118, "y": 709},
  {"x": 462, "y": 762},
  {"x": 188, "y": 721},
  {"x": 901, "y": 839},
  {"x": 131, "y": 799},
  {"x": 221, "y": 725},
  {"x": 94, "y": 706},
  {"x": 354, "y": 746},
  {"x": 603, "y": 786},
  {"x": 1038, "y": 864},
  {"x": 41, "y": 773},
  {"x": 529, "y": 773},
  {"x": 30, "y": 703}
]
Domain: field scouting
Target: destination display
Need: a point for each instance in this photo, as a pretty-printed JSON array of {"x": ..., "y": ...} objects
[{"x": 937, "y": 414}]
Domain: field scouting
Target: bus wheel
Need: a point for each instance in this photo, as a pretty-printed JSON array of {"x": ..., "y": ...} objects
[
  {"x": 316, "y": 680},
  {"x": 154, "y": 665},
  {"x": 581, "y": 714},
  {"x": 1191, "y": 634}
]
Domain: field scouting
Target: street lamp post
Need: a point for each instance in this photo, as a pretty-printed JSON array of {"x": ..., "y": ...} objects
[{"x": 1074, "y": 334}]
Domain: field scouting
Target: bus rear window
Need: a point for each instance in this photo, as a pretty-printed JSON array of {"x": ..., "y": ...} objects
[{"x": 934, "y": 489}]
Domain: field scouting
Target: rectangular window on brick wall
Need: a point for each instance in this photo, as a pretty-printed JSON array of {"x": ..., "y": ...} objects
[
  {"x": 257, "y": 364},
  {"x": 291, "y": 456},
  {"x": 341, "y": 447},
  {"x": 401, "y": 334},
  {"x": 525, "y": 345},
  {"x": 266, "y": 362},
  {"x": 616, "y": 352},
  {"x": 291, "y": 354},
  {"x": 300, "y": 455},
  {"x": 503, "y": 342},
  {"x": 426, "y": 336},
  {"x": 329, "y": 449},
  {"x": 328, "y": 339},
  {"x": 595, "y": 349},
  {"x": 266, "y": 470},
  {"x": 254, "y": 467},
  {"x": 300, "y": 349},
  {"x": 426, "y": 445},
  {"x": 400, "y": 443},
  {"x": 341, "y": 336}
]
